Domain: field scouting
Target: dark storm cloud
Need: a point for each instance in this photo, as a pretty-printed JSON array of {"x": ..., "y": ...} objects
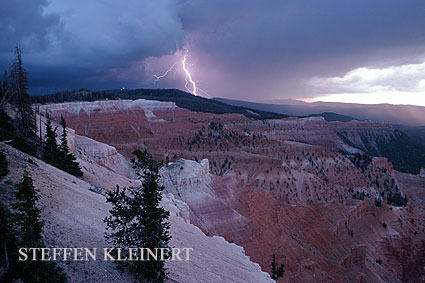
[
  {"x": 273, "y": 46},
  {"x": 24, "y": 21},
  {"x": 241, "y": 49},
  {"x": 84, "y": 43},
  {"x": 112, "y": 33},
  {"x": 301, "y": 30}
]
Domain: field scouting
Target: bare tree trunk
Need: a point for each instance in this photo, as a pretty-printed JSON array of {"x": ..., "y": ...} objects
[
  {"x": 39, "y": 115},
  {"x": 6, "y": 257},
  {"x": 6, "y": 98}
]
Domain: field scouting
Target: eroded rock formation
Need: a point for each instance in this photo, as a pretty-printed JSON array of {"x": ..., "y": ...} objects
[{"x": 276, "y": 186}]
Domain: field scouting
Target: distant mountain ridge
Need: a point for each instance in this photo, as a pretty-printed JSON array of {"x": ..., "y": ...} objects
[
  {"x": 180, "y": 98},
  {"x": 408, "y": 115}
]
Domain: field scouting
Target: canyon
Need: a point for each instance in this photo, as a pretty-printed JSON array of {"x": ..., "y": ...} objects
[{"x": 293, "y": 187}]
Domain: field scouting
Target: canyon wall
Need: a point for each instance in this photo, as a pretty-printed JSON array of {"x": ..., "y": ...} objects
[{"x": 276, "y": 187}]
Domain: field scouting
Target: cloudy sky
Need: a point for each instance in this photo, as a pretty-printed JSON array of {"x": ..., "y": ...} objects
[{"x": 334, "y": 50}]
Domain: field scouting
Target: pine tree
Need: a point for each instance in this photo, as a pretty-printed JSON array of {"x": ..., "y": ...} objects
[
  {"x": 26, "y": 125},
  {"x": 7, "y": 239},
  {"x": 25, "y": 232},
  {"x": 59, "y": 155},
  {"x": 68, "y": 161},
  {"x": 64, "y": 141},
  {"x": 51, "y": 150},
  {"x": 138, "y": 220},
  {"x": 28, "y": 212},
  {"x": 277, "y": 272},
  {"x": 3, "y": 165}
]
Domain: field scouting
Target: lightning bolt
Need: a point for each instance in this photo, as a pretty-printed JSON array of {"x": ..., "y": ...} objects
[
  {"x": 190, "y": 84},
  {"x": 188, "y": 78},
  {"x": 158, "y": 77}
]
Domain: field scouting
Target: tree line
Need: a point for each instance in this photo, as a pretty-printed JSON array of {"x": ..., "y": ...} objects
[
  {"x": 59, "y": 155},
  {"x": 18, "y": 122},
  {"x": 75, "y": 95}
]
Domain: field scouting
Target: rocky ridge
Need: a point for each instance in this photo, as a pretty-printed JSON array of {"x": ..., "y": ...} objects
[{"x": 73, "y": 212}]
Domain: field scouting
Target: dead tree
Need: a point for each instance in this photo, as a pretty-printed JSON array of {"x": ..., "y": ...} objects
[{"x": 25, "y": 119}]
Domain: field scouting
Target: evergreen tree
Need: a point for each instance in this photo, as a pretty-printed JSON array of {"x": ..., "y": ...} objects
[
  {"x": 51, "y": 150},
  {"x": 3, "y": 165},
  {"x": 68, "y": 160},
  {"x": 138, "y": 220},
  {"x": 23, "y": 230},
  {"x": 8, "y": 241},
  {"x": 64, "y": 141},
  {"x": 26, "y": 125},
  {"x": 59, "y": 155},
  {"x": 28, "y": 215},
  {"x": 277, "y": 272}
]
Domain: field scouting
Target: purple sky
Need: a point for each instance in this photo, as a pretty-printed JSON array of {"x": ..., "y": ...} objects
[{"x": 252, "y": 50}]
